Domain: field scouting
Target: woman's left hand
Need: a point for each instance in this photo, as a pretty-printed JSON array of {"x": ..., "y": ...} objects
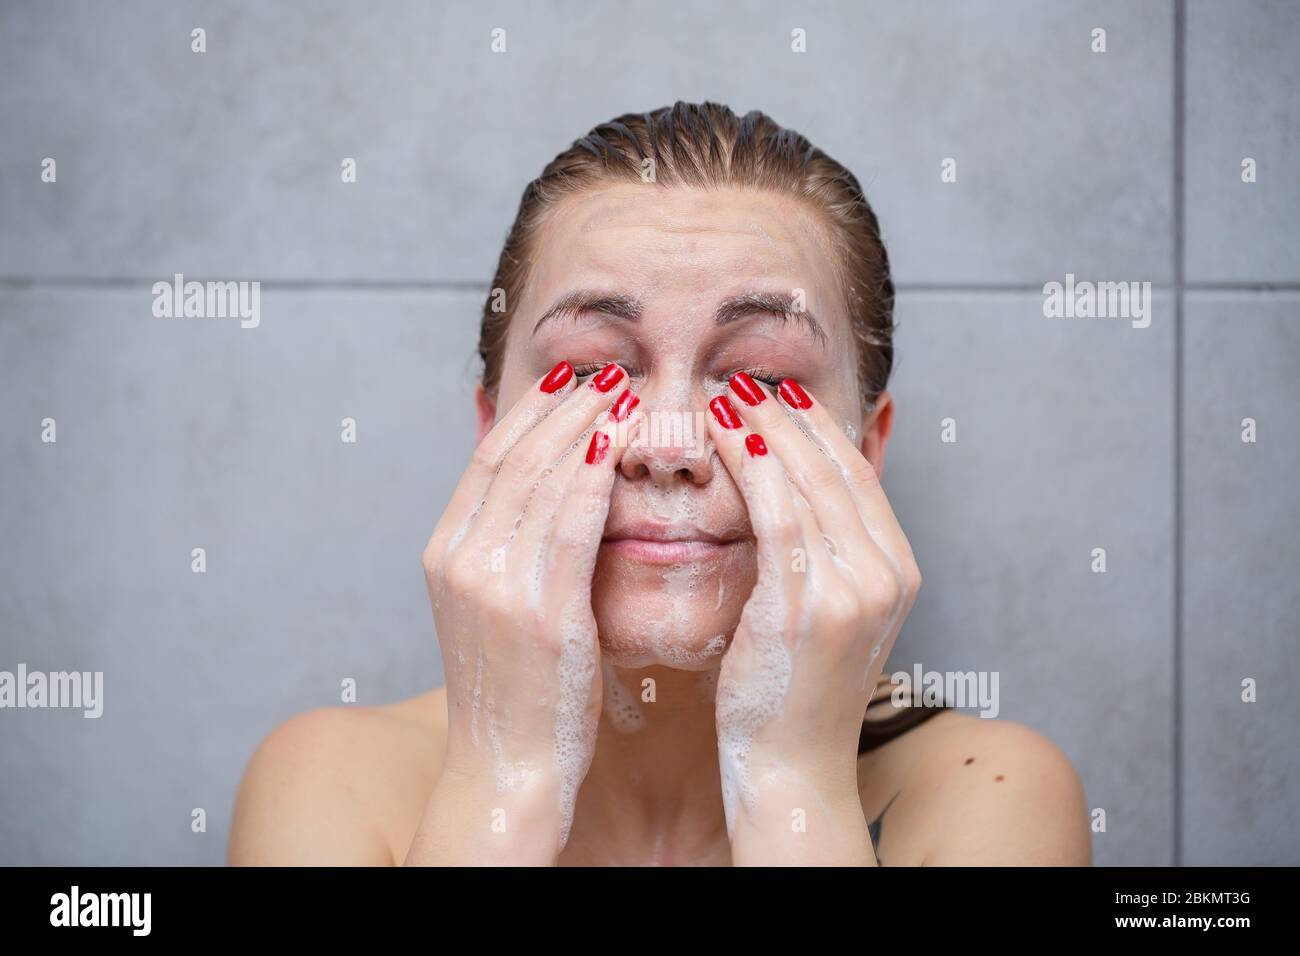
[{"x": 836, "y": 578}]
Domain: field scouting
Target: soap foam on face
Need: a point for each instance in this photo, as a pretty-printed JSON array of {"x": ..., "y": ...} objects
[
  {"x": 669, "y": 631},
  {"x": 669, "y": 634}
]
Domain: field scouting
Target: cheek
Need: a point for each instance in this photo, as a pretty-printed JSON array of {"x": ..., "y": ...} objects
[{"x": 681, "y": 616}]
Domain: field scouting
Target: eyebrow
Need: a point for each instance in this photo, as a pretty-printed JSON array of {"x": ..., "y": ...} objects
[
  {"x": 732, "y": 309},
  {"x": 573, "y": 304},
  {"x": 780, "y": 304}
]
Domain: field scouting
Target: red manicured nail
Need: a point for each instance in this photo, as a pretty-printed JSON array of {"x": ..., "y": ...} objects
[
  {"x": 724, "y": 412},
  {"x": 623, "y": 406},
  {"x": 596, "y": 450},
  {"x": 607, "y": 378},
  {"x": 747, "y": 389},
  {"x": 557, "y": 378},
  {"x": 755, "y": 445},
  {"x": 794, "y": 394}
]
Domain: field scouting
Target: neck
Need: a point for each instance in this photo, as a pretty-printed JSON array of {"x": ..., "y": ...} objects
[{"x": 653, "y": 792}]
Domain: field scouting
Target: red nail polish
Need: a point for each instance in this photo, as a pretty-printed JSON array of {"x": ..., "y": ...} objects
[
  {"x": 724, "y": 412},
  {"x": 596, "y": 450},
  {"x": 557, "y": 378},
  {"x": 755, "y": 445},
  {"x": 623, "y": 406},
  {"x": 747, "y": 389},
  {"x": 607, "y": 378},
  {"x": 794, "y": 394}
]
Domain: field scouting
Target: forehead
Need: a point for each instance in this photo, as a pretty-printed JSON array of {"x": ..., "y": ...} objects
[{"x": 677, "y": 247}]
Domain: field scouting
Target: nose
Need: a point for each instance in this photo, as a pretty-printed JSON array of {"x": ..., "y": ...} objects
[{"x": 671, "y": 445}]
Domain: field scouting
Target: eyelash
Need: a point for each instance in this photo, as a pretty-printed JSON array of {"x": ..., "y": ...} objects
[
  {"x": 579, "y": 371},
  {"x": 765, "y": 375}
]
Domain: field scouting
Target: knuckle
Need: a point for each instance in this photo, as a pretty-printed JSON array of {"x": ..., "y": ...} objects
[
  {"x": 882, "y": 589},
  {"x": 460, "y": 579},
  {"x": 431, "y": 557},
  {"x": 821, "y": 477},
  {"x": 860, "y": 471},
  {"x": 486, "y": 456},
  {"x": 786, "y": 531},
  {"x": 912, "y": 577},
  {"x": 546, "y": 496},
  {"x": 522, "y": 463}
]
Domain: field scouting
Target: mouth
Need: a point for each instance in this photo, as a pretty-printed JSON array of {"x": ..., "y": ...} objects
[{"x": 652, "y": 543}]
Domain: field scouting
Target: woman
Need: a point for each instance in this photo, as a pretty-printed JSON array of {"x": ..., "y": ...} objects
[{"x": 668, "y": 581}]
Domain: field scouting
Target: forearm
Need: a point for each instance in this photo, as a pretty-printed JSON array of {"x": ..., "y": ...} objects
[{"x": 469, "y": 821}]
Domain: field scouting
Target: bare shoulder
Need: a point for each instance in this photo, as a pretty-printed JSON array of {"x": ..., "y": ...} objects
[
  {"x": 333, "y": 785},
  {"x": 961, "y": 790}
]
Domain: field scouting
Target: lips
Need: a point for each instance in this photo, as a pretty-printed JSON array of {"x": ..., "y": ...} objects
[
  {"x": 650, "y": 531},
  {"x": 655, "y": 543}
]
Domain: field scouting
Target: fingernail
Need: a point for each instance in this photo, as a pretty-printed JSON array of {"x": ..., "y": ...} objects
[
  {"x": 623, "y": 406},
  {"x": 755, "y": 445},
  {"x": 607, "y": 377},
  {"x": 794, "y": 394},
  {"x": 557, "y": 378},
  {"x": 596, "y": 450},
  {"x": 724, "y": 412},
  {"x": 747, "y": 389}
]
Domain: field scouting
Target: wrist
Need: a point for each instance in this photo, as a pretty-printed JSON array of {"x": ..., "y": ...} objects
[
  {"x": 790, "y": 817},
  {"x": 478, "y": 816}
]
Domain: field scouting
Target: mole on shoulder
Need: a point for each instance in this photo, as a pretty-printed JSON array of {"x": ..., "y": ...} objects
[
  {"x": 998, "y": 777},
  {"x": 970, "y": 760}
]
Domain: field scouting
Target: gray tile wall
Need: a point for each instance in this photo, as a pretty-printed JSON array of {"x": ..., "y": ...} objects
[{"x": 174, "y": 435}]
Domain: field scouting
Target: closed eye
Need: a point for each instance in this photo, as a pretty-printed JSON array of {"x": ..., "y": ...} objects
[{"x": 765, "y": 375}]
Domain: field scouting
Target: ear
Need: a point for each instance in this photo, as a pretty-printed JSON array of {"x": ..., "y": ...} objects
[
  {"x": 486, "y": 407},
  {"x": 876, "y": 426}
]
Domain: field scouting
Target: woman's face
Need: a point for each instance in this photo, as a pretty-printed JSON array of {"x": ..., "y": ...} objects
[{"x": 682, "y": 287}]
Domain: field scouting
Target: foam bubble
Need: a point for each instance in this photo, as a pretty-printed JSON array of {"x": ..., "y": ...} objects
[
  {"x": 477, "y": 701},
  {"x": 463, "y": 530},
  {"x": 575, "y": 728},
  {"x": 747, "y": 702},
  {"x": 621, "y": 706}
]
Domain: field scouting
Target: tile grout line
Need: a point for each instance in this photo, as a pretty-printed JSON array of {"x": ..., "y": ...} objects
[
  {"x": 1178, "y": 286},
  {"x": 1180, "y": 145}
]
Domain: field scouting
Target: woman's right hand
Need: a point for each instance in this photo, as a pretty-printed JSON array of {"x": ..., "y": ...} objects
[{"x": 509, "y": 570}]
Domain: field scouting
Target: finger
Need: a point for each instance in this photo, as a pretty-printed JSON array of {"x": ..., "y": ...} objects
[
  {"x": 573, "y": 542},
  {"x": 818, "y": 479},
  {"x": 761, "y": 480},
  {"x": 533, "y": 532},
  {"x": 534, "y": 457},
  {"x": 547, "y": 393},
  {"x": 859, "y": 474}
]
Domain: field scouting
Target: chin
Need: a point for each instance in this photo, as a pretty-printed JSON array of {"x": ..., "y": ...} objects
[{"x": 678, "y": 615}]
